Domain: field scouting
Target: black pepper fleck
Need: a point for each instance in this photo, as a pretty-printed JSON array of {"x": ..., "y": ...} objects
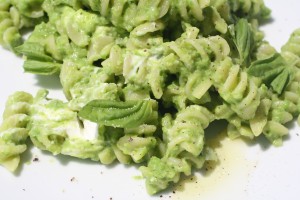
[
  {"x": 72, "y": 179},
  {"x": 35, "y": 160},
  {"x": 161, "y": 196}
]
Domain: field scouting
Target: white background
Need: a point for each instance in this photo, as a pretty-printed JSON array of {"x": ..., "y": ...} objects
[{"x": 247, "y": 170}]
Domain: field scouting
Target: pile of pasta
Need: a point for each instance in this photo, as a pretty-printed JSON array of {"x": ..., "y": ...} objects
[{"x": 152, "y": 76}]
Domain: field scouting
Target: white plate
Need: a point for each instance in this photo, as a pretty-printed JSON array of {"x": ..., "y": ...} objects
[{"x": 246, "y": 171}]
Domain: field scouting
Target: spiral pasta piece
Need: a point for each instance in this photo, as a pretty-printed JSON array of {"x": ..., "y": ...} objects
[
  {"x": 197, "y": 87},
  {"x": 196, "y": 56},
  {"x": 13, "y": 130},
  {"x": 102, "y": 40},
  {"x": 236, "y": 88},
  {"x": 15, "y": 15},
  {"x": 183, "y": 137},
  {"x": 9, "y": 27},
  {"x": 291, "y": 50},
  {"x": 199, "y": 53},
  {"x": 111, "y": 151},
  {"x": 114, "y": 63},
  {"x": 45, "y": 41},
  {"x": 249, "y": 128},
  {"x": 73, "y": 24},
  {"x": 202, "y": 14},
  {"x": 186, "y": 133},
  {"x": 29, "y": 8},
  {"x": 129, "y": 61},
  {"x": 138, "y": 148},
  {"x": 253, "y": 8},
  {"x": 282, "y": 111},
  {"x": 264, "y": 51},
  {"x": 292, "y": 92},
  {"x": 270, "y": 116}
]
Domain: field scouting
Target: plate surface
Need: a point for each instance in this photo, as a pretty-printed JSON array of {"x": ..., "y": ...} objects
[{"x": 247, "y": 170}]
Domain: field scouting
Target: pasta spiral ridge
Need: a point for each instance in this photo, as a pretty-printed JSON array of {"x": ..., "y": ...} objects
[
  {"x": 249, "y": 128},
  {"x": 236, "y": 88},
  {"x": 196, "y": 52},
  {"x": 129, "y": 14},
  {"x": 283, "y": 109},
  {"x": 139, "y": 143},
  {"x": 281, "y": 112},
  {"x": 254, "y": 8},
  {"x": 9, "y": 27},
  {"x": 290, "y": 51},
  {"x": 188, "y": 125},
  {"x": 16, "y": 15}
]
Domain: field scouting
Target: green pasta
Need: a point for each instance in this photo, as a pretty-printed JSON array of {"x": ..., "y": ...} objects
[
  {"x": 144, "y": 79},
  {"x": 15, "y": 16},
  {"x": 13, "y": 129}
]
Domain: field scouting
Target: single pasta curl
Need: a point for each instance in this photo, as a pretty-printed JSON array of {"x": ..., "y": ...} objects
[
  {"x": 16, "y": 15},
  {"x": 13, "y": 130},
  {"x": 291, "y": 50},
  {"x": 9, "y": 26},
  {"x": 184, "y": 140},
  {"x": 236, "y": 88}
]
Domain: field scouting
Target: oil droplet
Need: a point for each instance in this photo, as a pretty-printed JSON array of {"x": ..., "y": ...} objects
[{"x": 226, "y": 179}]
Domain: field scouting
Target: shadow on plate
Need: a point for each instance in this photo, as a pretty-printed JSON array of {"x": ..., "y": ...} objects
[
  {"x": 264, "y": 143},
  {"x": 48, "y": 82},
  {"x": 263, "y": 22},
  {"x": 25, "y": 159},
  {"x": 66, "y": 160}
]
